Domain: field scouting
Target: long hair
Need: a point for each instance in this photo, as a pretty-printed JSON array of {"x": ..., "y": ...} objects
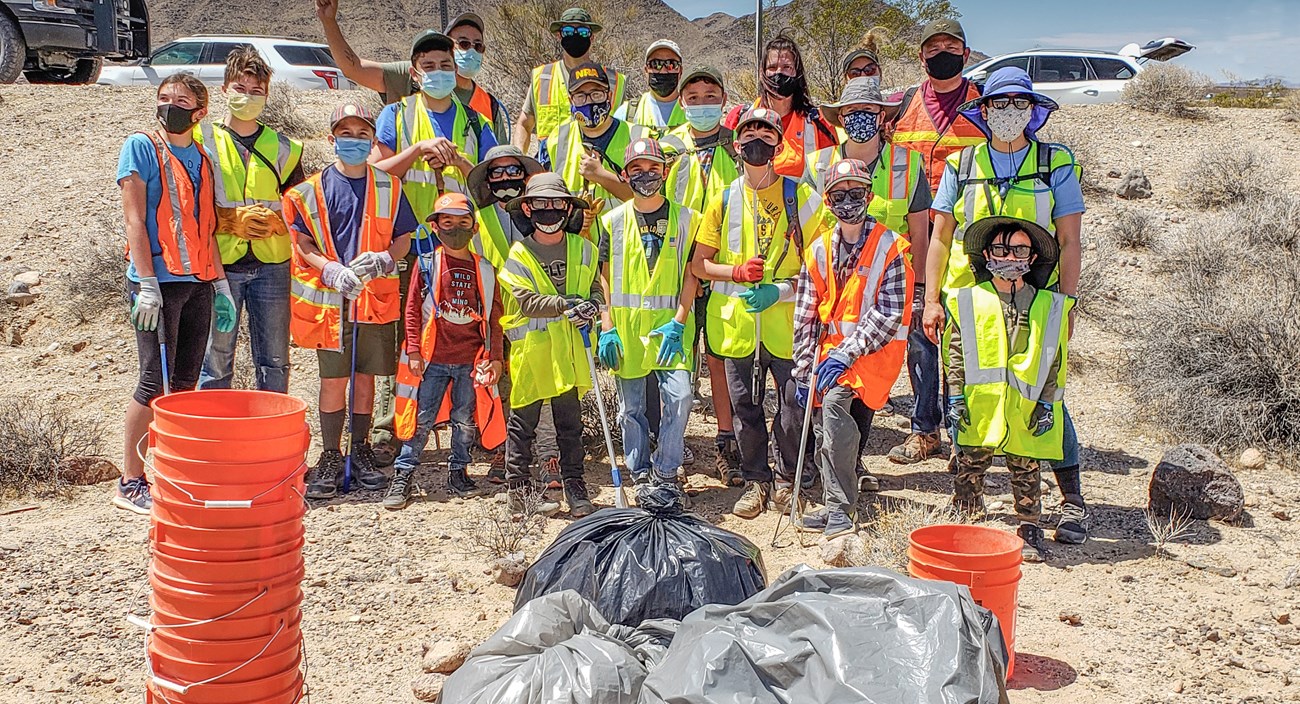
[{"x": 800, "y": 101}]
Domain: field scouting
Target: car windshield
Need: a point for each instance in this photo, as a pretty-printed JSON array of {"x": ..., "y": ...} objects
[{"x": 298, "y": 55}]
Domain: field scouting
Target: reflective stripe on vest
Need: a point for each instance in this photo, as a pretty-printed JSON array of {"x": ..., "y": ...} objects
[
  {"x": 687, "y": 182},
  {"x": 551, "y": 96},
  {"x": 565, "y": 149},
  {"x": 915, "y": 130},
  {"x": 244, "y": 179},
  {"x": 421, "y": 182},
  {"x": 493, "y": 241},
  {"x": 648, "y": 115},
  {"x": 185, "y": 237}
]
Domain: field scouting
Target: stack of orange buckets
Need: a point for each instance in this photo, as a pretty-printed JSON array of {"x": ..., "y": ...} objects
[{"x": 226, "y": 537}]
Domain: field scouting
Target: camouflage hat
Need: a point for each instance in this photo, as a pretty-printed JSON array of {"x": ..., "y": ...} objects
[{"x": 574, "y": 16}]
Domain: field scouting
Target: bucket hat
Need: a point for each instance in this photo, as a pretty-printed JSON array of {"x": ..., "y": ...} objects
[
  {"x": 980, "y": 233},
  {"x": 574, "y": 15},
  {"x": 476, "y": 181},
  {"x": 859, "y": 91},
  {"x": 545, "y": 185},
  {"x": 1010, "y": 80}
]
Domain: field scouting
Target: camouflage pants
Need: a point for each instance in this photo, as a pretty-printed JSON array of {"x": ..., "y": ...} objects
[{"x": 968, "y": 485}]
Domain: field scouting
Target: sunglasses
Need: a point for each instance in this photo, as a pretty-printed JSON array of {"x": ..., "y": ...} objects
[
  {"x": 466, "y": 45},
  {"x": 865, "y": 71},
  {"x": 837, "y": 197},
  {"x": 1002, "y": 103},
  {"x": 664, "y": 65},
  {"x": 571, "y": 30},
  {"x": 548, "y": 203},
  {"x": 595, "y": 96},
  {"x": 507, "y": 171},
  {"x": 1019, "y": 251}
]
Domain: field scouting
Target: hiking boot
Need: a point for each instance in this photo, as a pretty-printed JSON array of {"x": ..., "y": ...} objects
[
  {"x": 915, "y": 448},
  {"x": 1034, "y": 549},
  {"x": 497, "y": 472},
  {"x": 551, "y": 478},
  {"x": 525, "y": 499},
  {"x": 459, "y": 483},
  {"x": 814, "y": 522},
  {"x": 363, "y": 468},
  {"x": 756, "y": 498},
  {"x": 866, "y": 480},
  {"x": 575, "y": 495},
  {"x": 838, "y": 523},
  {"x": 383, "y": 455},
  {"x": 399, "y": 491},
  {"x": 1072, "y": 529},
  {"x": 727, "y": 462},
  {"x": 782, "y": 497},
  {"x": 324, "y": 479},
  {"x": 133, "y": 495}
]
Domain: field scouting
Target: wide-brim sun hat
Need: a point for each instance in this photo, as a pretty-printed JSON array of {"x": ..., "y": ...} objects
[
  {"x": 575, "y": 16},
  {"x": 980, "y": 233},
  {"x": 546, "y": 185},
  {"x": 1010, "y": 80},
  {"x": 864, "y": 90},
  {"x": 476, "y": 182}
]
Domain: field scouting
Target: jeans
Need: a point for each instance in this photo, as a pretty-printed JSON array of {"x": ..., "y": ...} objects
[
  {"x": 521, "y": 429},
  {"x": 674, "y": 387},
  {"x": 433, "y": 387},
  {"x": 839, "y": 431},
  {"x": 751, "y": 420},
  {"x": 263, "y": 293},
  {"x": 923, "y": 372}
]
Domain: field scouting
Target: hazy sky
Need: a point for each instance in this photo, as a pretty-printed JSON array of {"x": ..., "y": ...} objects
[{"x": 1250, "y": 38}]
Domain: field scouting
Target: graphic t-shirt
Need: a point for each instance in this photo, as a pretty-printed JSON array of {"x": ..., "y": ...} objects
[{"x": 653, "y": 228}]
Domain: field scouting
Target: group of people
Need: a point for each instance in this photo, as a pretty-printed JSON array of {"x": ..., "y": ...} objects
[{"x": 445, "y": 275}]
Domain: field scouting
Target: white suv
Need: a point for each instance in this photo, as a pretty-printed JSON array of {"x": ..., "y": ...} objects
[
  {"x": 1078, "y": 76},
  {"x": 300, "y": 64}
]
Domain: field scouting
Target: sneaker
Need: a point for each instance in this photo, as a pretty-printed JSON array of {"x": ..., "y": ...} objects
[
  {"x": 575, "y": 494},
  {"x": 1072, "y": 529},
  {"x": 838, "y": 523},
  {"x": 915, "y": 448},
  {"x": 1034, "y": 550},
  {"x": 688, "y": 456},
  {"x": 399, "y": 491},
  {"x": 133, "y": 495},
  {"x": 459, "y": 483},
  {"x": 868, "y": 482},
  {"x": 551, "y": 477},
  {"x": 814, "y": 522},
  {"x": 324, "y": 479},
  {"x": 497, "y": 474},
  {"x": 525, "y": 499},
  {"x": 363, "y": 468},
  {"x": 727, "y": 462},
  {"x": 756, "y": 498},
  {"x": 782, "y": 497}
]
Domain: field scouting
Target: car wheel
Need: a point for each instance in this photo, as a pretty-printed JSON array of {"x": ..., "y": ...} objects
[
  {"x": 86, "y": 71},
  {"x": 13, "y": 50}
]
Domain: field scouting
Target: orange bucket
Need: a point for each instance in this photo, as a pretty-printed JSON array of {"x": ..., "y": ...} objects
[
  {"x": 225, "y": 539},
  {"x": 197, "y": 601},
  {"x": 280, "y": 687},
  {"x": 228, "y": 415},
  {"x": 266, "y": 569},
  {"x": 171, "y": 661},
  {"x": 985, "y": 560},
  {"x": 188, "y": 514},
  {"x": 227, "y": 471},
  {"x": 235, "y": 627},
  {"x": 233, "y": 451},
  {"x": 257, "y": 552},
  {"x": 290, "y": 484}
]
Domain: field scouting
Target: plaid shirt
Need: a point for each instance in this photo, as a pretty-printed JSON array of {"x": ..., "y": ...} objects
[{"x": 876, "y": 328}]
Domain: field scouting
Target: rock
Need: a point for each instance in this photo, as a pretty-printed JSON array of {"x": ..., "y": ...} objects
[
  {"x": 1071, "y": 618},
  {"x": 510, "y": 569},
  {"x": 31, "y": 278},
  {"x": 13, "y": 679},
  {"x": 1134, "y": 186},
  {"x": 20, "y": 294},
  {"x": 426, "y": 688},
  {"x": 1192, "y": 481},
  {"x": 845, "y": 551},
  {"x": 1292, "y": 579},
  {"x": 445, "y": 657},
  {"x": 1283, "y": 619},
  {"x": 1251, "y": 459},
  {"x": 1282, "y": 515},
  {"x": 86, "y": 471},
  {"x": 1199, "y": 564},
  {"x": 1113, "y": 173}
]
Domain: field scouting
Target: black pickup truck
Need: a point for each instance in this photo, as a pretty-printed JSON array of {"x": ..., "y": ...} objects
[{"x": 66, "y": 41}]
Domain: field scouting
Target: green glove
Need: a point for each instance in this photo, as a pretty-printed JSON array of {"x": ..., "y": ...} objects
[
  {"x": 760, "y": 297},
  {"x": 223, "y": 305}
]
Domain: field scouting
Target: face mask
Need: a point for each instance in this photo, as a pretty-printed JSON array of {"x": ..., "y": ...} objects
[
  {"x": 456, "y": 237},
  {"x": 646, "y": 183},
  {"x": 548, "y": 221},
  {"x": 591, "y": 114},
  {"x": 1009, "y": 269},
  {"x": 756, "y": 152},
  {"x": 575, "y": 46},
  {"x": 468, "y": 62},
  {"x": 850, "y": 210},
  {"x": 663, "y": 84},
  {"x": 944, "y": 65},
  {"x": 781, "y": 84},
  {"x": 507, "y": 189},
  {"x": 703, "y": 117},
  {"x": 245, "y": 107},
  {"x": 1007, "y": 124},
  {"x": 351, "y": 150},
  {"x": 438, "y": 84},
  {"x": 176, "y": 119},
  {"x": 861, "y": 126}
]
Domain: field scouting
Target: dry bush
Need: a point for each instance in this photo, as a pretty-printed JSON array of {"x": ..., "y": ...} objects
[
  {"x": 1166, "y": 89},
  {"x": 593, "y": 436},
  {"x": 36, "y": 438},
  {"x": 495, "y": 530},
  {"x": 95, "y": 281},
  {"x": 887, "y": 533},
  {"x": 1167, "y": 529},
  {"x": 282, "y": 114},
  {"x": 1226, "y": 174},
  {"x": 1078, "y": 143},
  {"x": 1291, "y": 107},
  {"x": 1099, "y": 282},
  {"x": 316, "y": 155},
  {"x": 1271, "y": 222},
  {"x": 1135, "y": 229}
]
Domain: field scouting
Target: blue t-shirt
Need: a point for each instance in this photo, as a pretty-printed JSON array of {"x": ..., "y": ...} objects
[
  {"x": 138, "y": 156},
  {"x": 345, "y": 203},
  {"x": 444, "y": 125},
  {"x": 1067, "y": 194}
]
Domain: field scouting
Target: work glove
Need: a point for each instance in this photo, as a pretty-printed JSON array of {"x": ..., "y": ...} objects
[
  {"x": 369, "y": 266},
  {"x": 671, "y": 344},
  {"x": 223, "y": 305},
  {"x": 829, "y": 373},
  {"x": 748, "y": 273},
  {"x": 958, "y": 414},
  {"x": 342, "y": 279},
  {"x": 257, "y": 222},
  {"x": 148, "y": 305},
  {"x": 760, "y": 297},
  {"x": 801, "y": 394},
  {"x": 610, "y": 348},
  {"x": 581, "y": 311},
  {"x": 1042, "y": 419}
]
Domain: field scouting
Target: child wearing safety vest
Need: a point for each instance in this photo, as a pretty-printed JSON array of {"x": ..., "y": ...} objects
[{"x": 1005, "y": 351}]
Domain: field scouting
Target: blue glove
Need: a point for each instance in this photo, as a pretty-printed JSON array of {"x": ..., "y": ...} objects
[
  {"x": 223, "y": 305},
  {"x": 801, "y": 394},
  {"x": 610, "y": 348},
  {"x": 829, "y": 373},
  {"x": 671, "y": 345},
  {"x": 958, "y": 414},
  {"x": 760, "y": 297},
  {"x": 1042, "y": 419}
]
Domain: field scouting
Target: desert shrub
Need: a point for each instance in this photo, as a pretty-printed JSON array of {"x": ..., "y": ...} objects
[
  {"x": 316, "y": 155},
  {"x": 1249, "y": 100},
  {"x": 1135, "y": 229},
  {"x": 1225, "y": 174},
  {"x": 36, "y": 438},
  {"x": 282, "y": 114},
  {"x": 1266, "y": 222},
  {"x": 95, "y": 281},
  {"x": 887, "y": 533},
  {"x": 592, "y": 434},
  {"x": 1166, "y": 89},
  {"x": 1291, "y": 107},
  {"x": 1079, "y": 144},
  {"x": 494, "y": 530},
  {"x": 1098, "y": 279}
]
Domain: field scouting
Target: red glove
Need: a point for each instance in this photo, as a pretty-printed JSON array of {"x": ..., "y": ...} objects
[{"x": 749, "y": 272}]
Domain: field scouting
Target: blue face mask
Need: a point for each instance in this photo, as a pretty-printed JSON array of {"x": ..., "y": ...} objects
[
  {"x": 591, "y": 114},
  {"x": 351, "y": 150},
  {"x": 438, "y": 84},
  {"x": 861, "y": 125},
  {"x": 703, "y": 117},
  {"x": 468, "y": 63}
]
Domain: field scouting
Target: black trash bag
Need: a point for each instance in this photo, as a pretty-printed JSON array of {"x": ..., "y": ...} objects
[{"x": 651, "y": 562}]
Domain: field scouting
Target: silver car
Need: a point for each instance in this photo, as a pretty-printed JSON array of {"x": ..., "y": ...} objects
[
  {"x": 304, "y": 65},
  {"x": 1073, "y": 76}
]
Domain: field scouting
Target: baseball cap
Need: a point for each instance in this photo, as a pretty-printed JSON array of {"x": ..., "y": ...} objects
[
  {"x": 470, "y": 18},
  {"x": 451, "y": 203},
  {"x": 848, "y": 170},
  {"x": 668, "y": 44},
  {"x": 588, "y": 72},
  {"x": 766, "y": 116},
  {"x": 644, "y": 149},
  {"x": 574, "y": 15},
  {"x": 944, "y": 25},
  {"x": 704, "y": 73},
  {"x": 347, "y": 110},
  {"x": 858, "y": 54},
  {"x": 430, "y": 40}
]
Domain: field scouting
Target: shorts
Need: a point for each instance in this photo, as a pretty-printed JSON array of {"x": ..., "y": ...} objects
[{"x": 376, "y": 352}]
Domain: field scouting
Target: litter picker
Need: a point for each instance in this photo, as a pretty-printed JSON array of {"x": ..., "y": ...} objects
[
  {"x": 352, "y": 393},
  {"x": 620, "y": 495},
  {"x": 803, "y": 439}
]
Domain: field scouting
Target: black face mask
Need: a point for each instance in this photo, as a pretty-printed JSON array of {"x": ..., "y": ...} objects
[
  {"x": 176, "y": 119},
  {"x": 646, "y": 183},
  {"x": 456, "y": 237},
  {"x": 507, "y": 189},
  {"x": 756, "y": 152},
  {"x": 575, "y": 46},
  {"x": 663, "y": 84},
  {"x": 548, "y": 220},
  {"x": 944, "y": 65},
  {"x": 781, "y": 84}
]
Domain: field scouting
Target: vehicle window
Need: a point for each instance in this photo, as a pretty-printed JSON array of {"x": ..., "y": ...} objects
[
  {"x": 306, "y": 55},
  {"x": 1020, "y": 62},
  {"x": 1059, "y": 69},
  {"x": 1110, "y": 69},
  {"x": 218, "y": 52},
  {"x": 178, "y": 54}
]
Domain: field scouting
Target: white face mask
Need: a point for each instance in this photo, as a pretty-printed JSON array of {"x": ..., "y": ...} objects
[{"x": 1008, "y": 124}]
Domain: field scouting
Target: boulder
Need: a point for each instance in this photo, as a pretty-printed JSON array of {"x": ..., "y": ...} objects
[
  {"x": 1251, "y": 459},
  {"x": 510, "y": 570},
  {"x": 31, "y": 278},
  {"x": 85, "y": 471},
  {"x": 1192, "y": 481},
  {"x": 1134, "y": 186},
  {"x": 845, "y": 551},
  {"x": 426, "y": 688},
  {"x": 445, "y": 657}
]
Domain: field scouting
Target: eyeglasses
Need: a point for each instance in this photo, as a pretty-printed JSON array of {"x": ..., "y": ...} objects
[
  {"x": 837, "y": 197},
  {"x": 590, "y": 97},
  {"x": 664, "y": 65},
  {"x": 868, "y": 70},
  {"x": 1001, "y": 103},
  {"x": 548, "y": 203},
  {"x": 507, "y": 171},
  {"x": 466, "y": 45},
  {"x": 1019, "y": 251},
  {"x": 570, "y": 30}
]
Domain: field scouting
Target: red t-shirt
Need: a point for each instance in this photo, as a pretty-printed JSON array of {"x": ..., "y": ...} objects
[{"x": 460, "y": 314}]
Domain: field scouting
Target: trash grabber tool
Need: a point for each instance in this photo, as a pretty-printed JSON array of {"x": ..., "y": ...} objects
[
  {"x": 620, "y": 495},
  {"x": 162, "y": 352},
  {"x": 803, "y": 442},
  {"x": 352, "y": 392}
]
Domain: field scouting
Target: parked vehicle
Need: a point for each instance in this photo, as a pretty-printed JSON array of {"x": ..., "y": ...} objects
[
  {"x": 66, "y": 41},
  {"x": 300, "y": 64},
  {"x": 1074, "y": 76}
]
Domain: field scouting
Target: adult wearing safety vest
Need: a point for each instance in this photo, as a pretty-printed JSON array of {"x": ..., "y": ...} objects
[
  {"x": 1012, "y": 174},
  {"x": 253, "y": 164},
  {"x": 658, "y": 109},
  {"x": 850, "y": 324},
  {"x": 394, "y": 80},
  {"x": 645, "y": 249},
  {"x": 547, "y": 103},
  {"x": 351, "y": 224},
  {"x": 750, "y": 244},
  {"x": 587, "y": 149},
  {"x": 174, "y": 280},
  {"x": 1005, "y": 345},
  {"x": 554, "y": 289},
  {"x": 929, "y": 122}
]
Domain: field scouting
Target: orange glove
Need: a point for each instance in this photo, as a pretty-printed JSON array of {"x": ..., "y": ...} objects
[{"x": 749, "y": 272}]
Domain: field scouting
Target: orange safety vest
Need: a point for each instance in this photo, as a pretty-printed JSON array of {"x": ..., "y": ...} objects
[
  {"x": 316, "y": 310},
  {"x": 799, "y": 135},
  {"x": 186, "y": 240},
  {"x": 481, "y": 103},
  {"x": 872, "y": 375},
  {"x": 915, "y": 129}
]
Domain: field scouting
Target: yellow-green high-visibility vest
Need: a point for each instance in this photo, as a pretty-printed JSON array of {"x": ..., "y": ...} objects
[
  {"x": 565, "y": 149},
  {"x": 687, "y": 182},
  {"x": 550, "y": 90},
  {"x": 546, "y": 355},
  {"x": 420, "y": 184},
  {"x": 894, "y": 180},
  {"x": 647, "y": 115},
  {"x": 641, "y": 300},
  {"x": 244, "y": 178},
  {"x": 1002, "y": 388},
  {"x": 496, "y": 234}
]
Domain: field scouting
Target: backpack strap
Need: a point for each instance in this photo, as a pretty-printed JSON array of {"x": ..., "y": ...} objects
[
  {"x": 907, "y": 101},
  {"x": 790, "y": 191},
  {"x": 965, "y": 162},
  {"x": 815, "y": 117},
  {"x": 1044, "y": 170}
]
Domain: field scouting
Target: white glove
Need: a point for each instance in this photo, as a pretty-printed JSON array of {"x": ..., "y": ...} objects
[
  {"x": 148, "y": 305},
  {"x": 372, "y": 265},
  {"x": 342, "y": 279}
]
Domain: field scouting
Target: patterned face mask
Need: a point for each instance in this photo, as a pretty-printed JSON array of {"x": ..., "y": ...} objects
[
  {"x": 1009, "y": 123},
  {"x": 1009, "y": 269},
  {"x": 861, "y": 125}
]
